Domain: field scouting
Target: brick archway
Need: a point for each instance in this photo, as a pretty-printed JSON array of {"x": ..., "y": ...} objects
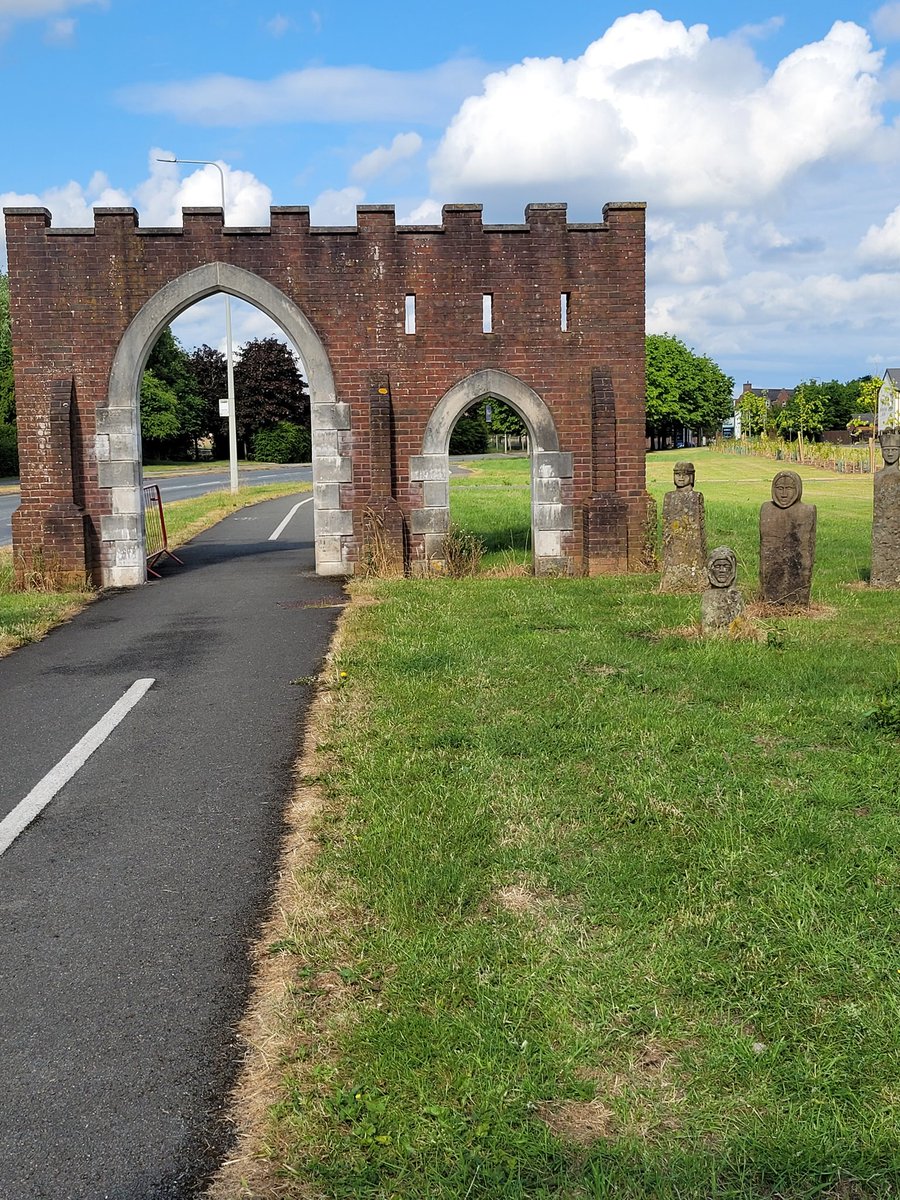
[
  {"x": 388, "y": 319},
  {"x": 551, "y": 470},
  {"x": 118, "y": 418}
]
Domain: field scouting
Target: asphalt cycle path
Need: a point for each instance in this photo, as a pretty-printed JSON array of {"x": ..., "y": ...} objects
[
  {"x": 180, "y": 486},
  {"x": 128, "y": 903}
]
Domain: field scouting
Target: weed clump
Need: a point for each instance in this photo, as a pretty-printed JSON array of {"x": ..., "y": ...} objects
[
  {"x": 462, "y": 552},
  {"x": 885, "y": 716}
]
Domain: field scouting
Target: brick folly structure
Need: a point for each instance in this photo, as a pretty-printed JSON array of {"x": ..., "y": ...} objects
[{"x": 388, "y": 322}]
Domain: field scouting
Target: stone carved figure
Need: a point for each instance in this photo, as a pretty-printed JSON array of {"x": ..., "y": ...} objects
[
  {"x": 886, "y": 515},
  {"x": 787, "y": 543},
  {"x": 684, "y": 535},
  {"x": 721, "y": 603}
]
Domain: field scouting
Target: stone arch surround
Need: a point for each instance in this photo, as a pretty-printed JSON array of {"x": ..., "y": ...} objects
[
  {"x": 551, "y": 469},
  {"x": 118, "y": 420}
]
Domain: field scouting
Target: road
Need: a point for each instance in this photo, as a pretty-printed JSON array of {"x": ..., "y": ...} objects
[
  {"x": 127, "y": 906},
  {"x": 179, "y": 487}
]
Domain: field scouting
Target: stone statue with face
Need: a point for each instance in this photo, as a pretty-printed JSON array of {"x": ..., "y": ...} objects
[
  {"x": 787, "y": 544},
  {"x": 684, "y": 534},
  {"x": 721, "y": 603},
  {"x": 886, "y": 514},
  {"x": 684, "y": 475}
]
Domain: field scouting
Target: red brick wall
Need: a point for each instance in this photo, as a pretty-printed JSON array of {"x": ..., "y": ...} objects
[{"x": 74, "y": 292}]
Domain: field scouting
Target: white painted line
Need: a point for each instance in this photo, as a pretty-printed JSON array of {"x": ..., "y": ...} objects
[
  {"x": 41, "y": 795},
  {"x": 273, "y": 537}
]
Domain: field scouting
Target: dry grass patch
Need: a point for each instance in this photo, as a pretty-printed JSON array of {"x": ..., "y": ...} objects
[{"x": 582, "y": 1122}]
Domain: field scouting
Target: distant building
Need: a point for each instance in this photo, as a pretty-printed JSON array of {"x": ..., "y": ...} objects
[
  {"x": 889, "y": 399},
  {"x": 773, "y": 396}
]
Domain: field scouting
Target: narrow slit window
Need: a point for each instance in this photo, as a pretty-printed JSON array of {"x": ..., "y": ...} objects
[
  {"x": 410, "y": 313},
  {"x": 564, "y": 301},
  {"x": 487, "y": 313}
]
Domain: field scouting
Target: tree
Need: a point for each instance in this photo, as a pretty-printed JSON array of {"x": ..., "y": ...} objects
[
  {"x": 470, "y": 433},
  {"x": 210, "y": 375},
  {"x": 754, "y": 414},
  {"x": 803, "y": 414},
  {"x": 171, "y": 366},
  {"x": 268, "y": 387},
  {"x": 684, "y": 389},
  {"x": 160, "y": 425}
]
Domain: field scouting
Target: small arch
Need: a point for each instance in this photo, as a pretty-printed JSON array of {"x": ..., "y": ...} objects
[
  {"x": 551, "y": 468},
  {"x": 527, "y": 403},
  {"x": 118, "y": 424}
]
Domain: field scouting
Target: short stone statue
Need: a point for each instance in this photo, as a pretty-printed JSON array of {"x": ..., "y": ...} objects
[
  {"x": 886, "y": 515},
  {"x": 684, "y": 535},
  {"x": 721, "y": 603},
  {"x": 787, "y": 543}
]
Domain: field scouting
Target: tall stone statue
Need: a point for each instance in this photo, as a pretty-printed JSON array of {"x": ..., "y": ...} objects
[
  {"x": 721, "y": 603},
  {"x": 684, "y": 535},
  {"x": 787, "y": 543},
  {"x": 886, "y": 515}
]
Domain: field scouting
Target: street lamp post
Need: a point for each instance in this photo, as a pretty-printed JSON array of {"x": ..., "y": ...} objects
[{"x": 229, "y": 354}]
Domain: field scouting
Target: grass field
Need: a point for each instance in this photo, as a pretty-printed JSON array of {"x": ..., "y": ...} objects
[
  {"x": 494, "y": 501},
  {"x": 598, "y": 909},
  {"x": 28, "y": 616}
]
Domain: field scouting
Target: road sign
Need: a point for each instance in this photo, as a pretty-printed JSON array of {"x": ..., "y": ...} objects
[{"x": 223, "y": 406}]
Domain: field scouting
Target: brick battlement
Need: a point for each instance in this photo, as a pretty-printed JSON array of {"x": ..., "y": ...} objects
[
  {"x": 343, "y": 296},
  {"x": 370, "y": 218}
]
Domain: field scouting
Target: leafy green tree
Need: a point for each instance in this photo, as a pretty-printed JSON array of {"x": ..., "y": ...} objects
[
  {"x": 470, "y": 433},
  {"x": 210, "y": 376},
  {"x": 268, "y": 387},
  {"x": 803, "y": 414},
  {"x": 170, "y": 365},
  {"x": 754, "y": 414},
  {"x": 160, "y": 426},
  {"x": 684, "y": 389},
  {"x": 503, "y": 418}
]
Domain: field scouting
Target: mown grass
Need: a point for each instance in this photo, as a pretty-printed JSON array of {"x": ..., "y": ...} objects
[
  {"x": 494, "y": 501},
  {"x": 611, "y": 912},
  {"x": 26, "y": 616}
]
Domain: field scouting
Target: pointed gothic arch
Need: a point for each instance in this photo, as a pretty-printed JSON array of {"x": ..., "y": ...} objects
[
  {"x": 118, "y": 419},
  {"x": 551, "y": 469}
]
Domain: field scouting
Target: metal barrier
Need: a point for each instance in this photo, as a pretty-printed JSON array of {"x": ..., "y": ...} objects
[{"x": 155, "y": 529}]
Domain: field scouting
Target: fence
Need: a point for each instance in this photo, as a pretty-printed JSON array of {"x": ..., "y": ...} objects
[
  {"x": 846, "y": 460},
  {"x": 155, "y": 529}
]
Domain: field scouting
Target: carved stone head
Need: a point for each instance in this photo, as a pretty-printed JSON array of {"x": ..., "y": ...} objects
[
  {"x": 787, "y": 488},
  {"x": 721, "y": 567},
  {"x": 684, "y": 475},
  {"x": 890, "y": 446}
]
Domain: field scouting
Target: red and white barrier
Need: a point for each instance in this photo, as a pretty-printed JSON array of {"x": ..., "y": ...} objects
[{"x": 155, "y": 529}]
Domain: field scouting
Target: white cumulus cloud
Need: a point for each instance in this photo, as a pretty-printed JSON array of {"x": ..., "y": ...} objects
[
  {"x": 159, "y": 198},
  {"x": 336, "y": 206},
  {"x": 660, "y": 110},
  {"x": 880, "y": 247},
  {"x": 886, "y": 22},
  {"x": 689, "y": 255},
  {"x": 377, "y": 161},
  {"x": 170, "y": 187}
]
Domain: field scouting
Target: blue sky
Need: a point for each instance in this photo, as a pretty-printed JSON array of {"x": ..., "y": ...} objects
[{"x": 764, "y": 139}]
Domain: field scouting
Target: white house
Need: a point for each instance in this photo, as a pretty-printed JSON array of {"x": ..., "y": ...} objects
[{"x": 889, "y": 399}]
